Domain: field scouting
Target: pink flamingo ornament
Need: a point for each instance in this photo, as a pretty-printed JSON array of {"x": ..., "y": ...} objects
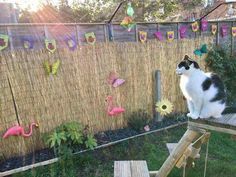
[
  {"x": 111, "y": 110},
  {"x": 18, "y": 130}
]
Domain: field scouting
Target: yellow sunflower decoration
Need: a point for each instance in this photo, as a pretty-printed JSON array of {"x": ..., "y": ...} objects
[{"x": 164, "y": 107}]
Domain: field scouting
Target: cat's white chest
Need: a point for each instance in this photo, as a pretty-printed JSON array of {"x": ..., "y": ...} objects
[{"x": 190, "y": 87}]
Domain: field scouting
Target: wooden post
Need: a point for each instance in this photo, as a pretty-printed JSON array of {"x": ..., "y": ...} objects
[
  {"x": 10, "y": 38},
  {"x": 217, "y": 34},
  {"x": 183, "y": 144},
  {"x": 157, "y": 93},
  {"x": 232, "y": 39}
]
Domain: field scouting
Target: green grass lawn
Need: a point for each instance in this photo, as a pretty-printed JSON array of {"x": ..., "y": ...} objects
[{"x": 152, "y": 148}]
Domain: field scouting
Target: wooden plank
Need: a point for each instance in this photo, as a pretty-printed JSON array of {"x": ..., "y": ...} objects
[
  {"x": 122, "y": 169},
  {"x": 131, "y": 169},
  {"x": 171, "y": 146},
  {"x": 226, "y": 121},
  {"x": 139, "y": 169},
  {"x": 228, "y": 130}
]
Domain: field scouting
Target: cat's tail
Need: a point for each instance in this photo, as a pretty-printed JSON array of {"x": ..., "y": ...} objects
[{"x": 229, "y": 110}]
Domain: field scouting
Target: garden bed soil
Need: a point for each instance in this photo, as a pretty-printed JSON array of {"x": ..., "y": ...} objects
[{"x": 102, "y": 138}]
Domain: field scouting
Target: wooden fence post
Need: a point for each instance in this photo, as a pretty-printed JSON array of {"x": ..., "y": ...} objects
[{"x": 157, "y": 116}]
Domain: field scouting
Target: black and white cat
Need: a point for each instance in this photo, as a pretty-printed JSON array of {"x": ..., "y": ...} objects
[{"x": 205, "y": 92}]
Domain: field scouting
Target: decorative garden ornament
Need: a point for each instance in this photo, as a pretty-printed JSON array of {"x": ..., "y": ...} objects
[
  {"x": 158, "y": 35},
  {"x": 213, "y": 29},
  {"x": 201, "y": 51},
  {"x": 50, "y": 45},
  {"x": 204, "y": 25},
  {"x": 18, "y": 130},
  {"x": 28, "y": 42},
  {"x": 233, "y": 31},
  {"x": 130, "y": 10},
  {"x": 182, "y": 31},
  {"x": 143, "y": 36},
  {"x": 114, "y": 80},
  {"x": 224, "y": 30},
  {"x": 170, "y": 35},
  {"x": 71, "y": 42},
  {"x": 51, "y": 68},
  {"x": 164, "y": 107},
  {"x": 4, "y": 39},
  {"x": 111, "y": 110},
  {"x": 90, "y": 38},
  {"x": 128, "y": 23},
  {"x": 195, "y": 26}
]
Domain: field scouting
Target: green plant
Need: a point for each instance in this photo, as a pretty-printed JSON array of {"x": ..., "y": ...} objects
[
  {"x": 90, "y": 142},
  {"x": 137, "y": 120},
  {"x": 221, "y": 62},
  {"x": 63, "y": 137}
]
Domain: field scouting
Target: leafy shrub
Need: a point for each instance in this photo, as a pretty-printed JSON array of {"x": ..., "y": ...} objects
[
  {"x": 138, "y": 120},
  {"x": 221, "y": 62},
  {"x": 90, "y": 142},
  {"x": 64, "y": 137}
]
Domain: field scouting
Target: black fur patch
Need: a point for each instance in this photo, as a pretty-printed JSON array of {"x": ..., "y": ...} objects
[
  {"x": 229, "y": 110},
  {"x": 206, "y": 84},
  {"x": 187, "y": 62},
  {"x": 217, "y": 83},
  {"x": 183, "y": 64}
]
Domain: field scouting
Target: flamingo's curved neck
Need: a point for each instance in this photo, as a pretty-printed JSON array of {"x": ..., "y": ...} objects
[
  {"x": 30, "y": 132},
  {"x": 109, "y": 107}
]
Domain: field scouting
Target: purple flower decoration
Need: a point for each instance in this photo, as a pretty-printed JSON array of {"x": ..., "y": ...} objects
[
  {"x": 224, "y": 30},
  {"x": 204, "y": 25},
  {"x": 158, "y": 35},
  {"x": 71, "y": 42},
  {"x": 28, "y": 42},
  {"x": 182, "y": 31}
]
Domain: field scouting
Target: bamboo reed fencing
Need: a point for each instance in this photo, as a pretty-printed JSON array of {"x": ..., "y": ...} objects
[{"x": 79, "y": 90}]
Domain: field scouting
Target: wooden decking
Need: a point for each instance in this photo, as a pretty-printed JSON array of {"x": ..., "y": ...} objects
[
  {"x": 226, "y": 124},
  {"x": 131, "y": 169}
]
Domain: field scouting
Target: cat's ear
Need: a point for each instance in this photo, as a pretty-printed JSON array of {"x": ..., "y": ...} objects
[{"x": 186, "y": 57}]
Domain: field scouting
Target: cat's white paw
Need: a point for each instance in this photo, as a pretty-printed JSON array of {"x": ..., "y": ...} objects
[
  {"x": 193, "y": 116},
  {"x": 203, "y": 117},
  {"x": 189, "y": 114}
]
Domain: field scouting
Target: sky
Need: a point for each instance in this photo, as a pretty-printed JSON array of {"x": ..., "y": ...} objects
[{"x": 33, "y": 4}]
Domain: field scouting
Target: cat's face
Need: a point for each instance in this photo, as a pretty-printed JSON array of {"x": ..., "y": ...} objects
[{"x": 186, "y": 66}]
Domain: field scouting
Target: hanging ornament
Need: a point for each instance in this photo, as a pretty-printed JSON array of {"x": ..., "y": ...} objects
[
  {"x": 130, "y": 10},
  {"x": 170, "y": 35},
  {"x": 71, "y": 42},
  {"x": 204, "y": 25},
  {"x": 90, "y": 38},
  {"x": 142, "y": 36},
  {"x": 234, "y": 31},
  {"x": 224, "y": 30},
  {"x": 158, "y": 35},
  {"x": 4, "y": 39},
  {"x": 50, "y": 45},
  {"x": 213, "y": 29},
  {"x": 28, "y": 42},
  {"x": 201, "y": 50},
  {"x": 182, "y": 31},
  {"x": 195, "y": 26},
  {"x": 128, "y": 23}
]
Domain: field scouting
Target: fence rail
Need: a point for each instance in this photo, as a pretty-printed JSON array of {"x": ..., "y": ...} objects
[{"x": 59, "y": 31}]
